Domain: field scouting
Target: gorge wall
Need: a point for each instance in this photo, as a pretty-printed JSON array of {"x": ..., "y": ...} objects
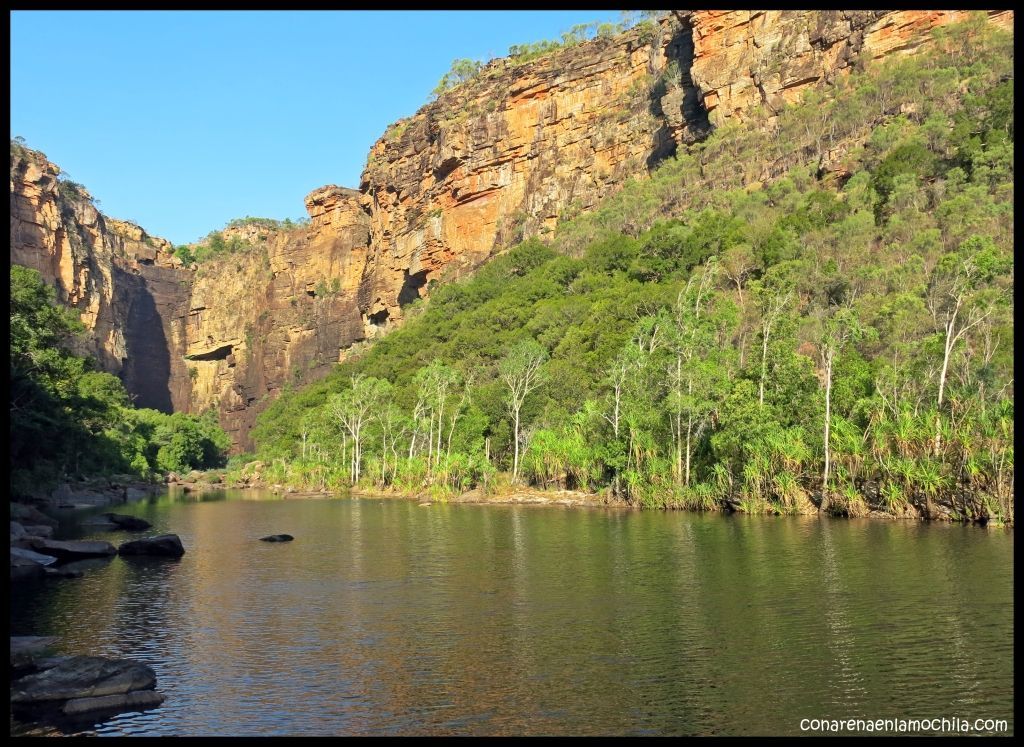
[{"x": 497, "y": 159}]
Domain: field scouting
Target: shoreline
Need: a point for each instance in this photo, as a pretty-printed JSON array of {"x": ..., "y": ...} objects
[
  {"x": 529, "y": 496},
  {"x": 121, "y": 492}
]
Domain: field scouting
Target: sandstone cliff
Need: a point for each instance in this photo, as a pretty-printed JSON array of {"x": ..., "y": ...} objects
[
  {"x": 495, "y": 160},
  {"x": 130, "y": 291}
]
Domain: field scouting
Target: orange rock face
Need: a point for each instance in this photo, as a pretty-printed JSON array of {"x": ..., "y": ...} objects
[
  {"x": 490, "y": 162},
  {"x": 745, "y": 60}
]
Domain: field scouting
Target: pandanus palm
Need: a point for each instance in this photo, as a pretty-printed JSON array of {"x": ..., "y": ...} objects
[
  {"x": 795, "y": 451},
  {"x": 905, "y": 433},
  {"x": 930, "y": 480},
  {"x": 893, "y": 497},
  {"x": 722, "y": 476}
]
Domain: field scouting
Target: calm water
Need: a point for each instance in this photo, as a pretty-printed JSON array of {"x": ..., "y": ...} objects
[{"x": 384, "y": 617}]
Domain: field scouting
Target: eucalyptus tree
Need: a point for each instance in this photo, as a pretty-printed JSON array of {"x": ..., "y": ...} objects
[
  {"x": 352, "y": 408},
  {"x": 958, "y": 304},
  {"x": 691, "y": 373},
  {"x": 522, "y": 372},
  {"x": 839, "y": 327},
  {"x": 773, "y": 298},
  {"x": 435, "y": 383}
]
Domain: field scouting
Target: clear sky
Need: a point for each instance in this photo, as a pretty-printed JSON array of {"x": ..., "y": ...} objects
[{"x": 182, "y": 121}]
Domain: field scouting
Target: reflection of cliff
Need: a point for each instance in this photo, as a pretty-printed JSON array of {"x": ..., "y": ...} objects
[{"x": 492, "y": 161}]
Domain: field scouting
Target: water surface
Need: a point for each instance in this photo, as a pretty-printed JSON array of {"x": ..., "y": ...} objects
[{"x": 385, "y": 617}]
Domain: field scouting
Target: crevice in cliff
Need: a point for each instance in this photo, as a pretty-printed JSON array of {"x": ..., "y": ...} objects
[
  {"x": 217, "y": 354},
  {"x": 380, "y": 318},
  {"x": 446, "y": 167},
  {"x": 675, "y": 99},
  {"x": 411, "y": 287}
]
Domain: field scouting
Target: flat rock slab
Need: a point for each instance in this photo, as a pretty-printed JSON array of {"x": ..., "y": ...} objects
[
  {"x": 128, "y": 523},
  {"x": 277, "y": 538},
  {"x": 83, "y": 677},
  {"x": 165, "y": 545},
  {"x": 132, "y": 701},
  {"x": 73, "y": 550},
  {"x": 62, "y": 572},
  {"x": 22, "y": 554}
]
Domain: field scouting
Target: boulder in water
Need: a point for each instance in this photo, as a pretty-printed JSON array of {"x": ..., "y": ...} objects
[
  {"x": 128, "y": 523},
  {"x": 83, "y": 677},
  {"x": 277, "y": 538},
  {"x": 164, "y": 545}
]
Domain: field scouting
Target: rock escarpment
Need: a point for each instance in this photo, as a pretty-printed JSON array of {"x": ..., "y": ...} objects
[
  {"x": 497, "y": 159},
  {"x": 130, "y": 291}
]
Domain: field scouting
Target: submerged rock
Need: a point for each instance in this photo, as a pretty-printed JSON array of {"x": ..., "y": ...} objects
[
  {"x": 277, "y": 538},
  {"x": 132, "y": 701},
  {"x": 128, "y": 523},
  {"x": 75, "y": 549},
  {"x": 83, "y": 677},
  {"x": 62, "y": 572},
  {"x": 165, "y": 545}
]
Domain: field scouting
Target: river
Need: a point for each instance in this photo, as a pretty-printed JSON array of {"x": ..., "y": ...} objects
[{"x": 386, "y": 617}]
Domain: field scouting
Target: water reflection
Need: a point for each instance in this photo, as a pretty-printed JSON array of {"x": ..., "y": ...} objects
[{"x": 384, "y": 617}]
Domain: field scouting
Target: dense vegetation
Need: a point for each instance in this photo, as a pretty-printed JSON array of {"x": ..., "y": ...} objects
[
  {"x": 69, "y": 420},
  {"x": 796, "y": 332}
]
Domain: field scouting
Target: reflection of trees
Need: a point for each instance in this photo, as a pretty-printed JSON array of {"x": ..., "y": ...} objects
[{"x": 385, "y": 617}]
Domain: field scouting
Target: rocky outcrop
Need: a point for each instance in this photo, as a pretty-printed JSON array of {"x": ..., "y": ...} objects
[
  {"x": 277, "y": 538},
  {"x": 497, "y": 159}
]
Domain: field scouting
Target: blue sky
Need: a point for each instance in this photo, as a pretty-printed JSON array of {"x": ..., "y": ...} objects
[{"x": 182, "y": 121}]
